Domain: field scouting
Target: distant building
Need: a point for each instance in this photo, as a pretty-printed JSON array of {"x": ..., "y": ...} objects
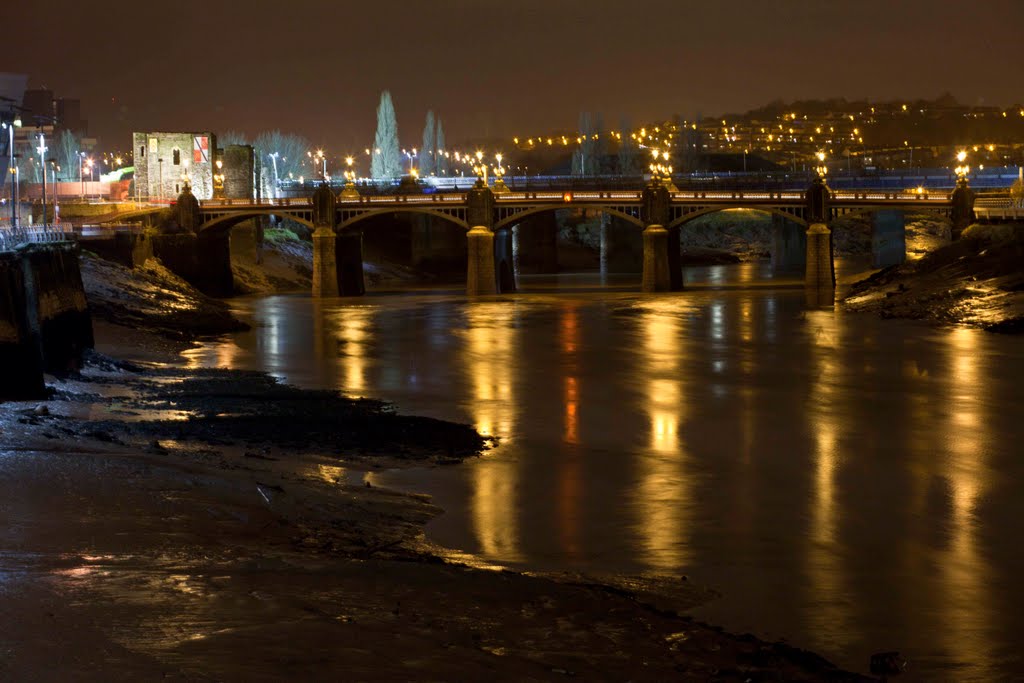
[
  {"x": 238, "y": 169},
  {"x": 165, "y": 161},
  {"x": 39, "y": 108}
]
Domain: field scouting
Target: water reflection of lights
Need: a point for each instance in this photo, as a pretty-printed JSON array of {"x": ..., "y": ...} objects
[
  {"x": 332, "y": 474},
  {"x": 964, "y": 568},
  {"x": 354, "y": 335},
  {"x": 824, "y": 566},
  {"x": 664, "y": 482},
  {"x": 489, "y": 361},
  {"x": 224, "y": 354}
]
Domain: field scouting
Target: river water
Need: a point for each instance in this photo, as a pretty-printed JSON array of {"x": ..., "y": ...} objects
[{"x": 849, "y": 484}]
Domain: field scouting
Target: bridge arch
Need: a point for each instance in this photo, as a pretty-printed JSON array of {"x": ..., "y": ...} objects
[
  {"x": 347, "y": 223},
  {"x": 227, "y": 221},
  {"x": 705, "y": 211},
  {"x": 515, "y": 218},
  {"x": 132, "y": 215}
]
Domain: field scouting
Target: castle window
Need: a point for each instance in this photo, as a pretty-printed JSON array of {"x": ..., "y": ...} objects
[
  {"x": 177, "y": 157},
  {"x": 142, "y": 151}
]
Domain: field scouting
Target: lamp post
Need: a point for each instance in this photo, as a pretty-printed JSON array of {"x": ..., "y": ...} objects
[
  {"x": 350, "y": 191},
  {"x": 481, "y": 168},
  {"x": 218, "y": 180},
  {"x": 821, "y": 169},
  {"x": 42, "y": 163},
  {"x": 81, "y": 174},
  {"x": 9, "y": 125},
  {"x": 499, "y": 176},
  {"x": 160, "y": 178},
  {"x": 56, "y": 198}
]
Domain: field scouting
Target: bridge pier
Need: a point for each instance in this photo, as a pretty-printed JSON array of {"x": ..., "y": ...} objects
[
  {"x": 480, "y": 277},
  {"x": 504, "y": 261},
  {"x": 819, "y": 272},
  {"x": 655, "y": 212},
  {"x": 789, "y": 246},
  {"x": 656, "y": 276},
  {"x": 325, "y": 263},
  {"x": 325, "y": 242},
  {"x": 888, "y": 239},
  {"x": 349, "y": 258}
]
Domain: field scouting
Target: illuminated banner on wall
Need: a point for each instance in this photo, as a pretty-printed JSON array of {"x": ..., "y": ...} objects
[{"x": 200, "y": 149}]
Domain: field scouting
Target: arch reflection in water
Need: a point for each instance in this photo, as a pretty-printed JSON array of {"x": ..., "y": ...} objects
[
  {"x": 665, "y": 484},
  {"x": 489, "y": 359}
]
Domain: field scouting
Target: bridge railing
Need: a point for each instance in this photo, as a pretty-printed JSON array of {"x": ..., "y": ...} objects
[{"x": 12, "y": 238}]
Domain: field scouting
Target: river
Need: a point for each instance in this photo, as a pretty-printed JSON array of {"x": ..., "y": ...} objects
[{"x": 848, "y": 484}]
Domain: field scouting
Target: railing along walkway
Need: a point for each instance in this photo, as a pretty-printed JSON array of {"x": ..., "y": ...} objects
[{"x": 12, "y": 238}]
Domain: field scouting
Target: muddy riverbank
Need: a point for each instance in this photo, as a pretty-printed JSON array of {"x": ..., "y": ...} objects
[
  {"x": 184, "y": 524},
  {"x": 214, "y": 525},
  {"x": 976, "y": 281}
]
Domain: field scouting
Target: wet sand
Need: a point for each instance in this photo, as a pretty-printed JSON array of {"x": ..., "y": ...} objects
[{"x": 139, "y": 546}]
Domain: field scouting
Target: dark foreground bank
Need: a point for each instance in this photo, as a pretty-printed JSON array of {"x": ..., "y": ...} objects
[
  {"x": 977, "y": 280},
  {"x": 178, "y": 525}
]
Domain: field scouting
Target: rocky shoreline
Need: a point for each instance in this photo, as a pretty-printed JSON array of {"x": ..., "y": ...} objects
[{"x": 976, "y": 281}]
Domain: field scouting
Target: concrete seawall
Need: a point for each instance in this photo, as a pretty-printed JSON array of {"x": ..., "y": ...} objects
[{"x": 45, "y": 324}]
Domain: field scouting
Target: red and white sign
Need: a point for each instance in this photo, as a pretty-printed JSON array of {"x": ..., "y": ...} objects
[{"x": 200, "y": 149}]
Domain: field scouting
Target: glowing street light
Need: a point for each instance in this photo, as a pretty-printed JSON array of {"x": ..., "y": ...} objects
[
  {"x": 350, "y": 191},
  {"x": 499, "y": 172},
  {"x": 42, "y": 162}
]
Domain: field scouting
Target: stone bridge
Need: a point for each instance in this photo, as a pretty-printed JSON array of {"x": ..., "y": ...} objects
[{"x": 488, "y": 215}]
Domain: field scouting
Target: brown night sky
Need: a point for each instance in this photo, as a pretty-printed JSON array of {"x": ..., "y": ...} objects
[{"x": 498, "y": 68}]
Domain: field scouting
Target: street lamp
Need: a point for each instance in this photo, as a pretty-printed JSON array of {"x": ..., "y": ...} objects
[
  {"x": 480, "y": 168},
  {"x": 821, "y": 169},
  {"x": 42, "y": 163},
  {"x": 218, "y": 180},
  {"x": 962, "y": 169},
  {"x": 9, "y": 125},
  {"x": 81, "y": 175},
  {"x": 499, "y": 173},
  {"x": 350, "y": 191}
]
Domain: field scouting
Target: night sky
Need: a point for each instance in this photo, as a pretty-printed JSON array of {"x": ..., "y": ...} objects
[{"x": 502, "y": 68}]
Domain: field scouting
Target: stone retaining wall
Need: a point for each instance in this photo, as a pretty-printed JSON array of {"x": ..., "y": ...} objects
[{"x": 45, "y": 325}]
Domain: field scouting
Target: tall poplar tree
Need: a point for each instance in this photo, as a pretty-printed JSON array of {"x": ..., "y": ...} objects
[
  {"x": 386, "y": 161},
  {"x": 442, "y": 167},
  {"x": 428, "y": 152}
]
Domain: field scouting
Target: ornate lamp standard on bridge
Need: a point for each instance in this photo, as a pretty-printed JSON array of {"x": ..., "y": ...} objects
[
  {"x": 499, "y": 171},
  {"x": 480, "y": 169},
  {"x": 819, "y": 272},
  {"x": 962, "y": 198},
  {"x": 350, "y": 191}
]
